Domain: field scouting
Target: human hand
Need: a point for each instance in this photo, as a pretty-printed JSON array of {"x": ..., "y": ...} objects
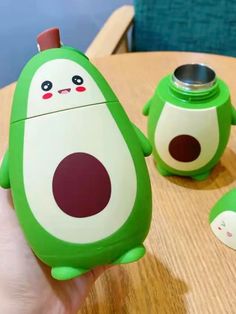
[{"x": 26, "y": 285}]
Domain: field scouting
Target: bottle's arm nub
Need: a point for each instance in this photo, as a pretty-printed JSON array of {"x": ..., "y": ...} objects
[
  {"x": 233, "y": 115},
  {"x": 146, "y": 107},
  {"x": 4, "y": 172},
  {"x": 145, "y": 144}
]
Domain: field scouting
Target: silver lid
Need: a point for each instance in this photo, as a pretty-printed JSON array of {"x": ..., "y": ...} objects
[{"x": 193, "y": 77}]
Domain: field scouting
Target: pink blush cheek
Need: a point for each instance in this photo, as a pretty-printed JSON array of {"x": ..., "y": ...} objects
[
  {"x": 80, "y": 89},
  {"x": 47, "y": 96}
]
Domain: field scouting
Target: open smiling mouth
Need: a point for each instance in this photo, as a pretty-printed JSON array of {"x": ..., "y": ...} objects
[{"x": 64, "y": 91}]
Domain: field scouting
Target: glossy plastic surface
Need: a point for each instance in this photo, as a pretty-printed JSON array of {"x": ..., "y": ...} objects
[
  {"x": 76, "y": 166},
  {"x": 189, "y": 130}
]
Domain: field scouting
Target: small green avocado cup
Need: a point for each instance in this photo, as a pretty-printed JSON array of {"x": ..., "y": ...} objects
[{"x": 189, "y": 121}]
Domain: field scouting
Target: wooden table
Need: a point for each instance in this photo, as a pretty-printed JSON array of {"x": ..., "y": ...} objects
[{"x": 186, "y": 269}]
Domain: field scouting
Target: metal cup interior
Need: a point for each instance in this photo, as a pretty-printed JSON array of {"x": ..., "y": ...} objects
[{"x": 194, "y": 77}]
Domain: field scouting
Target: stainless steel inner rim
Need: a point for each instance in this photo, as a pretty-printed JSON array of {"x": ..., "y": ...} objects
[{"x": 194, "y": 77}]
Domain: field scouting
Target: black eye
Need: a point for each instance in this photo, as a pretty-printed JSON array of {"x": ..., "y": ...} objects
[
  {"x": 77, "y": 80},
  {"x": 46, "y": 86}
]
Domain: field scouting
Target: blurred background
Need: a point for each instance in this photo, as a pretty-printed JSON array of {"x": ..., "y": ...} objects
[{"x": 21, "y": 21}]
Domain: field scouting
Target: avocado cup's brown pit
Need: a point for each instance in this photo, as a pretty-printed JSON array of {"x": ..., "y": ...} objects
[{"x": 185, "y": 148}]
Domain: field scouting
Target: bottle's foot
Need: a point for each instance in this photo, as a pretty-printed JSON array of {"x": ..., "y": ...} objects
[
  {"x": 163, "y": 171},
  {"x": 66, "y": 273},
  {"x": 201, "y": 176},
  {"x": 131, "y": 256}
]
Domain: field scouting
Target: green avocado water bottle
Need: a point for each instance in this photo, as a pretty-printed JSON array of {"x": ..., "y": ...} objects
[
  {"x": 75, "y": 164},
  {"x": 189, "y": 121}
]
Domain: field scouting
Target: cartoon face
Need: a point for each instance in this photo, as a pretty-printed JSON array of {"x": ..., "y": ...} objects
[
  {"x": 59, "y": 85},
  {"x": 224, "y": 227}
]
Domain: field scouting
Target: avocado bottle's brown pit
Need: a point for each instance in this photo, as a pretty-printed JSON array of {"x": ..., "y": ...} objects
[{"x": 81, "y": 185}]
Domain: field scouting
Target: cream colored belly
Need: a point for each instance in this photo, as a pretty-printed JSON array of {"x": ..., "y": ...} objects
[
  {"x": 48, "y": 140},
  {"x": 200, "y": 124}
]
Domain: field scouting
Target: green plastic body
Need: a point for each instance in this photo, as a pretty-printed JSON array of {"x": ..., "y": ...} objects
[
  {"x": 222, "y": 219},
  {"x": 191, "y": 103},
  {"x": 73, "y": 259}
]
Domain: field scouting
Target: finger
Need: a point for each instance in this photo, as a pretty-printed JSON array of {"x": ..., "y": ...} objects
[
  {"x": 8, "y": 220},
  {"x": 97, "y": 271},
  {"x": 84, "y": 284},
  {"x": 4, "y": 198},
  {"x": 9, "y": 198}
]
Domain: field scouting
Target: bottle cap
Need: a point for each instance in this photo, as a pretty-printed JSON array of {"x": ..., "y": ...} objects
[{"x": 48, "y": 39}]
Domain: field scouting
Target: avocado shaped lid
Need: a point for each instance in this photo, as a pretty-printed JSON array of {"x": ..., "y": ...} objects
[{"x": 52, "y": 52}]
